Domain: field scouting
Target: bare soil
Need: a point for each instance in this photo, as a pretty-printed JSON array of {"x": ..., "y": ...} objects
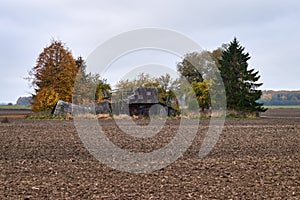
[
  {"x": 14, "y": 113},
  {"x": 253, "y": 159}
]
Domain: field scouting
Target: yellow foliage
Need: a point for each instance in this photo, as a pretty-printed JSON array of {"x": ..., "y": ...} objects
[
  {"x": 53, "y": 76},
  {"x": 45, "y": 100},
  {"x": 201, "y": 90},
  {"x": 266, "y": 97}
]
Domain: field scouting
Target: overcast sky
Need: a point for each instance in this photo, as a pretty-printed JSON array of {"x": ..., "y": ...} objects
[{"x": 268, "y": 29}]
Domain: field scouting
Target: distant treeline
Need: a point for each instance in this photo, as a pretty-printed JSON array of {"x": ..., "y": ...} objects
[{"x": 276, "y": 98}]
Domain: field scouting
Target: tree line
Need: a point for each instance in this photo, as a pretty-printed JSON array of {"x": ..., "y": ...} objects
[
  {"x": 57, "y": 75},
  {"x": 280, "y": 98}
]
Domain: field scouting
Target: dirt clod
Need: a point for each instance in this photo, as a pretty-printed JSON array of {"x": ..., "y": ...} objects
[{"x": 5, "y": 120}]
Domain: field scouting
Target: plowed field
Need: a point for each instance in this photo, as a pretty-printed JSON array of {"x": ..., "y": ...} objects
[{"x": 253, "y": 159}]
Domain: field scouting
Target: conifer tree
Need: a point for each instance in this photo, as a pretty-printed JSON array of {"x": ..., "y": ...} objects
[{"x": 241, "y": 83}]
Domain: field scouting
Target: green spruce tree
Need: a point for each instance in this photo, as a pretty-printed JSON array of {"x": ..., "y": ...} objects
[{"x": 240, "y": 82}]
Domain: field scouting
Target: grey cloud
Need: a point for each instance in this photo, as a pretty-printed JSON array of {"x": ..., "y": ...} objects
[{"x": 268, "y": 29}]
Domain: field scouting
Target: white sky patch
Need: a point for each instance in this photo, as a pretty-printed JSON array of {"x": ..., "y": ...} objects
[{"x": 147, "y": 61}]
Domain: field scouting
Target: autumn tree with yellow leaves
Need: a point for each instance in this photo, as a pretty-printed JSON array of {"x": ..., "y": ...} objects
[{"x": 53, "y": 76}]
